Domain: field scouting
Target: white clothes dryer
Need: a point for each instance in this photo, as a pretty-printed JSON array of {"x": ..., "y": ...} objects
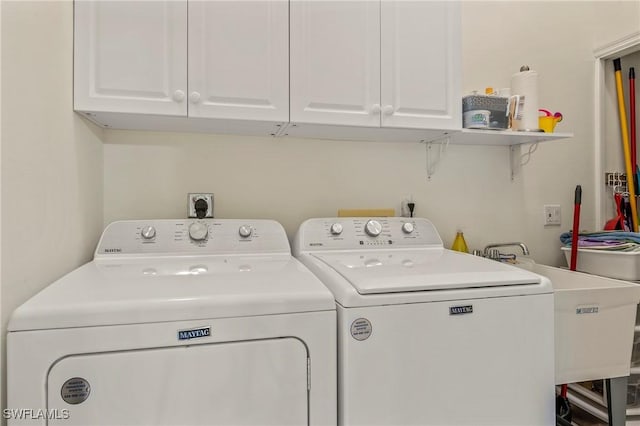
[
  {"x": 178, "y": 322},
  {"x": 429, "y": 336}
]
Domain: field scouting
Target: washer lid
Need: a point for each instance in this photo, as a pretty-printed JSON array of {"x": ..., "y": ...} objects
[
  {"x": 394, "y": 271},
  {"x": 174, "y": 289}
]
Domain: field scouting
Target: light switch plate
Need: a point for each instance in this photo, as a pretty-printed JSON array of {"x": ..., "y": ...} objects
[{"x": 552, "y": 214}]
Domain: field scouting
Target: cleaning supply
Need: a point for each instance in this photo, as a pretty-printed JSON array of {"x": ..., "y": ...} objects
[
  {"x": 632, "y": 128},
  {"x": 524, "y": 84},
  {"x": 563, "y": 407},
  {"x": 625, "y": 138},
  {"x": 459, "y": 244}
]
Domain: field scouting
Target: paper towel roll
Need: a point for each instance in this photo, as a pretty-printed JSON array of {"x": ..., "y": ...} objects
[{"x": 525, "y": 83}]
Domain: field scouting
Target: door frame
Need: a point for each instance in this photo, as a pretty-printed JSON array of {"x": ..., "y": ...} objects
[{"x": 621, "y": 47}]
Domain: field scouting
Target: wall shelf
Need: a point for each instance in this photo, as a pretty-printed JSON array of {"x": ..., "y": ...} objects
[
  {"x": 508, "y": 138},
  {"x": 502, "y": 137}
]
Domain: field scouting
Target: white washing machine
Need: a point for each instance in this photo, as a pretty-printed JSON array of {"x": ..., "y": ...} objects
[
  {"x": 429, "y": 336},
  {"x": 177, "y": 322}
]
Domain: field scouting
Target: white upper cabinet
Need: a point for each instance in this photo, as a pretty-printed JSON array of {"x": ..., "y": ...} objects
[
  {"x": 239, "y": 59},
  {"x": 225, "y": 60},
  {"x": 339, "y": 69},
  {"x": 420, "y": 64},
  {"x": 376, "y": 63},
  {"x": 335, "y": 62},
  {"x": 131, "y": 57}
]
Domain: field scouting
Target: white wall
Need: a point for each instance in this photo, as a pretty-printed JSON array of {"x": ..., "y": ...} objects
[
  {"x": 148, "y": 175},
  {"x": 51, "y": 170},
  {"x": 290, "y": 180}
]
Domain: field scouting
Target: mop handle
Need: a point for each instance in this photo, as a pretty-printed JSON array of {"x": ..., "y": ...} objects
[
  {"x": 576, "y": 226},
  {"x": 632, "y": 118},
  {"x": 625, "y": 139}
]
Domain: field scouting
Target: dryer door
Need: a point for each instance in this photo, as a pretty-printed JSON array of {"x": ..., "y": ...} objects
[{"x": 262, "y": 382}]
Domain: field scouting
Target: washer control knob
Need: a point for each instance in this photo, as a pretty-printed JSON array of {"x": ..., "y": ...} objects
[
  {"x": 198, "y": 231},
  {"x": 148, "y": 232},
  {"x": 373, "y": 228},
  {"x": 245, "y": 231},
  {"x": 407, "y": 227},
  {"x": 336, "y": 229}
]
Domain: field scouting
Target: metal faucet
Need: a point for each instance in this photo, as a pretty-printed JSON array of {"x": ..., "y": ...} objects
[{"x": 525, "y": 249}]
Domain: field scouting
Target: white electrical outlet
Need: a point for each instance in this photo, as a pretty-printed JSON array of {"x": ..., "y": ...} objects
[
  {"x": 552, "y": 214},
  {"x": 192, "y": 198},
  {"x": 404, "y": 207}
]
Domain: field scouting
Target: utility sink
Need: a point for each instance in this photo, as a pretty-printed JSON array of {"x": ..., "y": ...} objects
[{"x": 594, "y": 323}]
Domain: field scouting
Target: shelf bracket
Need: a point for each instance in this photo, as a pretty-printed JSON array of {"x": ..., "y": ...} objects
[
  {"x": 514, "y": 161},
  {"x": 434, "y": 156},
  {"x": 517, "y": 160}
]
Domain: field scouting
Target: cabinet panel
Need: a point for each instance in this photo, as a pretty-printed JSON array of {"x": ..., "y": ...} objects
[
  {"x": 131, "y": 56},
  {"x": 420, "y": 64},
  {"x": 335, "y": 62},
  {"x": 239, "y": 59}
]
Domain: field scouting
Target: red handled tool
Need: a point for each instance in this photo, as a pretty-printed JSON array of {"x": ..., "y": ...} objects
[
  {"x": 576, "y": 226},
  {"x": 563, "y": 408}
]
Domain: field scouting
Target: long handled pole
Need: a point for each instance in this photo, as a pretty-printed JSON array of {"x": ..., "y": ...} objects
[
  {"x": 625, "y": 140},
  {"x": 576, "y": 227},
  {"x": 632, "y": 124},
  {"x": 563, "y": 408}
]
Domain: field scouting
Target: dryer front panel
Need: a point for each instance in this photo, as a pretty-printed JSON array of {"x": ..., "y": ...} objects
[{"x": 260, "y": 382}]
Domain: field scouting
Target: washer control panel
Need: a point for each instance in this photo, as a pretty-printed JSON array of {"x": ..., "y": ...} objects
[
  {"x": 361, "y": 233},
  {"x": 192, "y": 236}
]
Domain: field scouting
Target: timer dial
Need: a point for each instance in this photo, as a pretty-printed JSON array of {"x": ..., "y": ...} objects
[
  {"x": 198, "y": 231},
  {"x": 373, "y": 228}
]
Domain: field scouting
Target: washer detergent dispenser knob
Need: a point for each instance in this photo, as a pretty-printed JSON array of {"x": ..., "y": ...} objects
[
  {"x": 198, "y": 231},
  {"x": 148, "y": 232},
  {"x": 373, "y": 228},
  {"x": 245, "y": 231},
  {"x": 336, "y": 229},
  {"x": 407, "y": 227}
]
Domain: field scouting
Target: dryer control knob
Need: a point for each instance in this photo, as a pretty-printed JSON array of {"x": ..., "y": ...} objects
[
  {"x": 407, "y": 227},
  {"x": 336, "y": 229},
  {"x": 148, "y": 232},
  {"x": 373, "y": 228},
  {"x": 198, "y": 231},
  {"x": 245, "y": 231}
]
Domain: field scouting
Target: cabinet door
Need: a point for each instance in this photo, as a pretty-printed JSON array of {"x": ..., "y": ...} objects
[
  {"x": 420, "y": 64},
  {"x": 239, "y": 59},
  {"x": 130, "y": 56},
  {"x": 335, "y": 62}
]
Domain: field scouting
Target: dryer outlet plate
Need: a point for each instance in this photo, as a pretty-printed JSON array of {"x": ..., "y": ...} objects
[{"x": 191, "y": 203}]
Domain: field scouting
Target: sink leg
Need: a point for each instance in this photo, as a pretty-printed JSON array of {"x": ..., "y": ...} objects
[{"x": 616, "y": 389}]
